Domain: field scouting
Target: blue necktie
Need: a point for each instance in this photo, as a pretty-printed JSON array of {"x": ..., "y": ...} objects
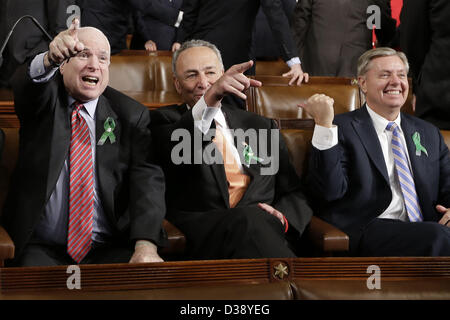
[{"x": 404, "y": 175}]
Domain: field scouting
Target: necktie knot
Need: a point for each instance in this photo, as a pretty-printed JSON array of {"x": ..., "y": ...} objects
[
  {"x": 77, "y": 106},
  {"x": 392, "y": 126}
]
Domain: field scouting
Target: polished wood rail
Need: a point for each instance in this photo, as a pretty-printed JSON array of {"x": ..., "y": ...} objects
[
  {"x": 185, "y": 274},
  {"x": 356, "y": 268}
]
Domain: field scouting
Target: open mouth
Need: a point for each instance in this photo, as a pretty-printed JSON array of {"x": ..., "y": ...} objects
[
  {"x": 393, "y": 92},
  {"x": 92, "y": 81}
]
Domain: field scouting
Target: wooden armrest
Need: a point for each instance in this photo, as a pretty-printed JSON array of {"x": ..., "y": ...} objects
[
  {"x": 327, "y": 237},
  {"x": 177, "y": 240},
  {"x": 6, "y": 246}
]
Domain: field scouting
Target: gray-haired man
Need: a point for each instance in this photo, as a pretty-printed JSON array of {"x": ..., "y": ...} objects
[
  {"x": 380, "y": 175},
  {"x": 227, "y": 207}
]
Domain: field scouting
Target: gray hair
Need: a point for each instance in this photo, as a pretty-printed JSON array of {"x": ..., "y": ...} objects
[
  {"x": 365, "y": 59},
  {"x": 192, "y": 44},
  {"x": 99, "y": 32}
]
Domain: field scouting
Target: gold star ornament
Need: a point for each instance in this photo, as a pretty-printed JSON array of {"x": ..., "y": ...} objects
[{"x": 281, "y": 270}]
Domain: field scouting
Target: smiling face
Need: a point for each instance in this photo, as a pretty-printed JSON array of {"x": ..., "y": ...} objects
[
  {"x": 86, "y": 75},
  {"x": 197, "y": 68},
  {"x": 385, "y": 85}
]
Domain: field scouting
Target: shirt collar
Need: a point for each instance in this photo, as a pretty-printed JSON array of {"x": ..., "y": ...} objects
[
  {"x": 220, "y": 118},
  {"x": 90, "y": 106},
  {"x": 381, "y": 123}
]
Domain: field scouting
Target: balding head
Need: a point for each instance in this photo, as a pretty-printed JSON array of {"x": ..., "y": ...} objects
[{"x": 86, "y": 75}]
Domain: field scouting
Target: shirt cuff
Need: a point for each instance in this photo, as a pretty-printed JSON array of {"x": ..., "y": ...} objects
[
  {"x": 294, "y": 60},
  {"x": 203, "y": 115},
  {"x": 179, "y": 19},
  {"x": 324, "y": 138},
  {"x": 37, "y": 69}
]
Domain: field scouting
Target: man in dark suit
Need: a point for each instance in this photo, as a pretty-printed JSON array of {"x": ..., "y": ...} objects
[
  {"x": 27, "y": 40},
  {"x": 264, "y": 43},
  {"x": 425, "y": 39},
  {"x": 112, "y": 17},
  {"x": 150, "y": 33},
  {"x": 230, "y": 187},
  {"x": 380, "y": 175},
  {"x": 84, "y": 189},
  {"x": 331, "y": 35},
  {"x": 229, "y": 25}
]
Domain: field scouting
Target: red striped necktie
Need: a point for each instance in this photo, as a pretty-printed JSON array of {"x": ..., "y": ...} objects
[{"x": 81, "y": 188}]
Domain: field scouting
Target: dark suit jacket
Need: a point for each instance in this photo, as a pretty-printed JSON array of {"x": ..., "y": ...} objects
[
  {"x": 167, "y": 115},
  {"x": 113, "y": 17},
  {"x": 331, "y": 35},
  {"x": 264, "y": 44},
  {"x": 152, "y": 27},
  {"x": 131, "y": 188},
  {"x": 27, "y": 40},
  {"x": 350, "y": 184},
  {"x": 425, "y": 39},
  {"x": 196, "y": 190},
  {"x": 229, "y": 25}
]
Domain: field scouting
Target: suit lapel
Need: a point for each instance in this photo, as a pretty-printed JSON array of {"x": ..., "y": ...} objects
[
  {"x": 363, "y": 126},
  {"x": 106, "y": 154},
  {"x": 418, "y": 163},
  {"x": 218, "y": 171},
  {"x": 60, "y": 141}
]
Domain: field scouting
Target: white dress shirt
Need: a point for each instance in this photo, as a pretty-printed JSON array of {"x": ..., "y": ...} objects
[
  {"x": 326, "y": 138},
  {"x": 203, "y": 118}
]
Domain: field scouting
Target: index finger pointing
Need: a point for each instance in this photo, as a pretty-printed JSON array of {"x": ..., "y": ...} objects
[
  {"x": 242, "y": 67},
  {"x": 73, "y": 29},
  {"x": 255, "y": 83}
]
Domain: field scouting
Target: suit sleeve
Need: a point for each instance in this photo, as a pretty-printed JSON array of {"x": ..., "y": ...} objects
[
  {"x": 141, "y": 27},
  {"x": 289, "y": 197},
  {"x": 156, "y": 9},
  {"x": 31, "y": 98},
  {"x": 444, "y": 176},
  {"x": 147, "y": 203},
  {"x": 302, "y": 20},
  {"x": 190, "y": 10},
  {"x": 327, "y": 177},
  {"x": 279, "y": 25},
  {"x": 388, "y": 24},
  {"x": 57, "y": 15},
  {"x": 415, "y": 34}
]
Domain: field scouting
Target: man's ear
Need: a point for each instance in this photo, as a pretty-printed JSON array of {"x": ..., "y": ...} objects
[
  {"x": 177, "y": 84},
  {"x": 62, "y": 66},
  {"x": 362, "y": 84}
]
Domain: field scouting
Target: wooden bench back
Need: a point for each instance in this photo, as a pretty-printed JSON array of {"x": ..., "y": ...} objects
[{"x": 276, "y": 99}]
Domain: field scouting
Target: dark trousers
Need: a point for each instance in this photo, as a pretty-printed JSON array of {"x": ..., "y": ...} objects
[
  {"x": 36, "y": 254},
  {"x": 238, "y": 233},
  {"x": 386, "y": 237}
]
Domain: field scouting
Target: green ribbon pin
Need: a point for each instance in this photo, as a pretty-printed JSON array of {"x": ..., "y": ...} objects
[
  {"x": 109, "y": 126},
  {"x": 249, "y": 155},
  {"x": 419, "y": 147}
]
